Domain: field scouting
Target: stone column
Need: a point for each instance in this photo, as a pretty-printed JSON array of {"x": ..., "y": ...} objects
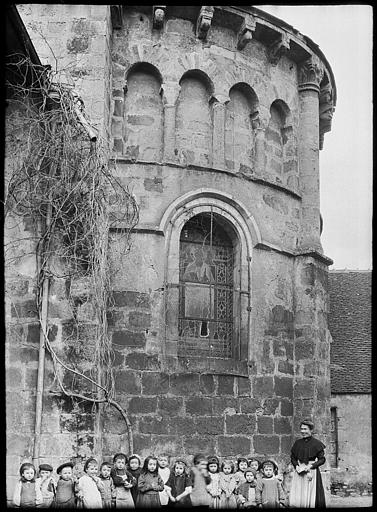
[
  {"x": 259, "y": 127},
  {"x": 218, "y": 131},
  {"x": 310, "y": 75},
  {"x": 170, "y": 91}
]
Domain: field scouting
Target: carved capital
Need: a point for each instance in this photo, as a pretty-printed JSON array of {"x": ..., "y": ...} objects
[
  {"x": 158, "y": 16},
  {"x": 116, "y": 16},
  {"x": 278, "y": 48},
  {"x": 246, "y": 31},
  {"x": 204, "y": 21},
  {"x": 310, "y": 74},
  {"x": 170, "y": 92},
  {"x": 219, "y": 99}
]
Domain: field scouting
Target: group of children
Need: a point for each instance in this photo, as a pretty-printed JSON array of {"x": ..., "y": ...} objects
[{"x": 127, "y": 484}]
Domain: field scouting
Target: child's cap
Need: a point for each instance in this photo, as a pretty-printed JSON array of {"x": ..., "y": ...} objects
[
  {"x": 92, "y": 460},
  {"x": 108, "y": 464},
  {"x": 120, "y": 456},
  {"x": 26, "y": 465},
  {"x": 250, "y": 470},
  {"x": 45, "y": 467},
  {"x": 241, "y": 459},
  {"x": 213, "y": 460},
  {"x": 65, "y": 465}
]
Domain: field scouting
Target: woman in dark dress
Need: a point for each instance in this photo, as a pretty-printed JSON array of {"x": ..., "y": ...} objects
[{"x": 307, "y": 454}]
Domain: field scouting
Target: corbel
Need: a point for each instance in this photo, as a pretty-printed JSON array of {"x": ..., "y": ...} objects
[
  {"x": 278, "y": 48},
  {"x": 158, "y": 16},
  {"x": 326, "y": 110},
  {"x": 116, "y": 16},
  {"x": 204, "y": 21},
  {"x": 245, "y": 33}
]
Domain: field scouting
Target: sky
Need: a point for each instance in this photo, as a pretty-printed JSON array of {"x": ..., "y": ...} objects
[{"x": 344, "y": 34}]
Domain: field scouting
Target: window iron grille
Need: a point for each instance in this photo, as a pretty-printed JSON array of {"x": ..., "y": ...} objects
[{"x": 206, "y": 289}]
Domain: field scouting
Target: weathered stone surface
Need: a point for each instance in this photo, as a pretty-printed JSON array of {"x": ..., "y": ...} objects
[
  {"x": 265, "y": 425},
  {"x": 244, "y": 386},
  {"x": 304, "y": 388},
  {"x": 225, "y": 385},
  {"x": 286, "y": 408},
  {"x": 199, "y": 406},
  {"x": 127, "y": 381},
  {"x": 184, "y": 384},
  {"x": 199, "y": 444},
  {"x": 130, "y": 299},
  {"x": 170, "y": 406},
  {"x": 207, "y": 384},
  {"x": 266, "y": 444},
  {"x": 142, "y": 361},
  {"x": 142, "y": 405},
  {"x": 128, "y": 339},
  {"x": 283, "y": 386},
  {"x": 25, "y": 309},
  {"x": 154, "y": 383},
  {"x": 225, "y": 405},
  {"x": 270, "y": 405},
  {"x": 282, "y": 426},
  {"x": 263, "y": 387},
  {"x": 240, "y": 424},
  {"x": 139, "y": 320},
  {"x": 233, "y": 445},
  {"x": 250, "y": 405},
  {"x": 209, "y": 425}
]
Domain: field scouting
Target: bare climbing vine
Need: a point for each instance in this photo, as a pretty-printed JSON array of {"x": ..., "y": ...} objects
[{"x": 59, "y": 180}]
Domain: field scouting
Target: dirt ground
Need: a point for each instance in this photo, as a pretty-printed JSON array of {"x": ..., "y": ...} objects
[{"x": 349, "y": 502}]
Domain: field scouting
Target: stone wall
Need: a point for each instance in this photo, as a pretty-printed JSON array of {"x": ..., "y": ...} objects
[
  {"x": 197, "y": 126},
  {"x": 353, "y": 472}
]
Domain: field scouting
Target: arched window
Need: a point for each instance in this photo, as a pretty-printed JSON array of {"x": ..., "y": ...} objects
[
  {"x": 239, "y": 139},
  {"x": 143, "y": 113},
  {"x": 207, "y": 262},
  {"x": 280, "y": 146},
  {"x": 193, "y": 119}
]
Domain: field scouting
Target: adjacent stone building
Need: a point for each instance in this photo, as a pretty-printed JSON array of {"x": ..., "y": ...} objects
[
  {"x": 350, "y": 318},
  {"x": 215, "y": 117}
]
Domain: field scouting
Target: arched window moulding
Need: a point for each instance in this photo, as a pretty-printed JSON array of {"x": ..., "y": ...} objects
[{"x": 248, "y": 234}]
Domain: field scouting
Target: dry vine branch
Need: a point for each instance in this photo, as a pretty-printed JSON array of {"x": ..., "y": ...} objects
[{"x": 62, "y": 178}]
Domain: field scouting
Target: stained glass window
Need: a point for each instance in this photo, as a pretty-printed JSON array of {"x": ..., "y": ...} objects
[{"x": 206, "y": 289}]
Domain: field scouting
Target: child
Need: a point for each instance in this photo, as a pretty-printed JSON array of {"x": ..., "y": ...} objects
[
  {"x": 27, "y": 493},
  {"x": 134, "y": 468},
  {"x": 149, "y": 485},
  {"x": 254, "y": 464},
  {"x": 200, "y": 478},
  {"x": 228, "y": 485},
  {"x": 46, "y": 484},
  {"x": 241, "y": 468},
  {"x": 123, "y": 482},
  {"x": 66, "y": 487},
  {"x": 107, "y": 491},
  {"x": 179, "y": 485},
  {"x": 214, "y": 486},
  {"x": 89, "y": 485},
  {"x": 164, "y": 472},
  {"x": 269, "y": 492},
  {"x": 246, "y": 491}
]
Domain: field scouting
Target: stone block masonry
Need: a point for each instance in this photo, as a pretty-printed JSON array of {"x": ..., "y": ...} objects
[{"x": 207, "y": 126}]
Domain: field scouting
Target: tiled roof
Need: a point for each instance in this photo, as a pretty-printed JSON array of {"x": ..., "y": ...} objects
[{"x": 350, "y": 326}]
